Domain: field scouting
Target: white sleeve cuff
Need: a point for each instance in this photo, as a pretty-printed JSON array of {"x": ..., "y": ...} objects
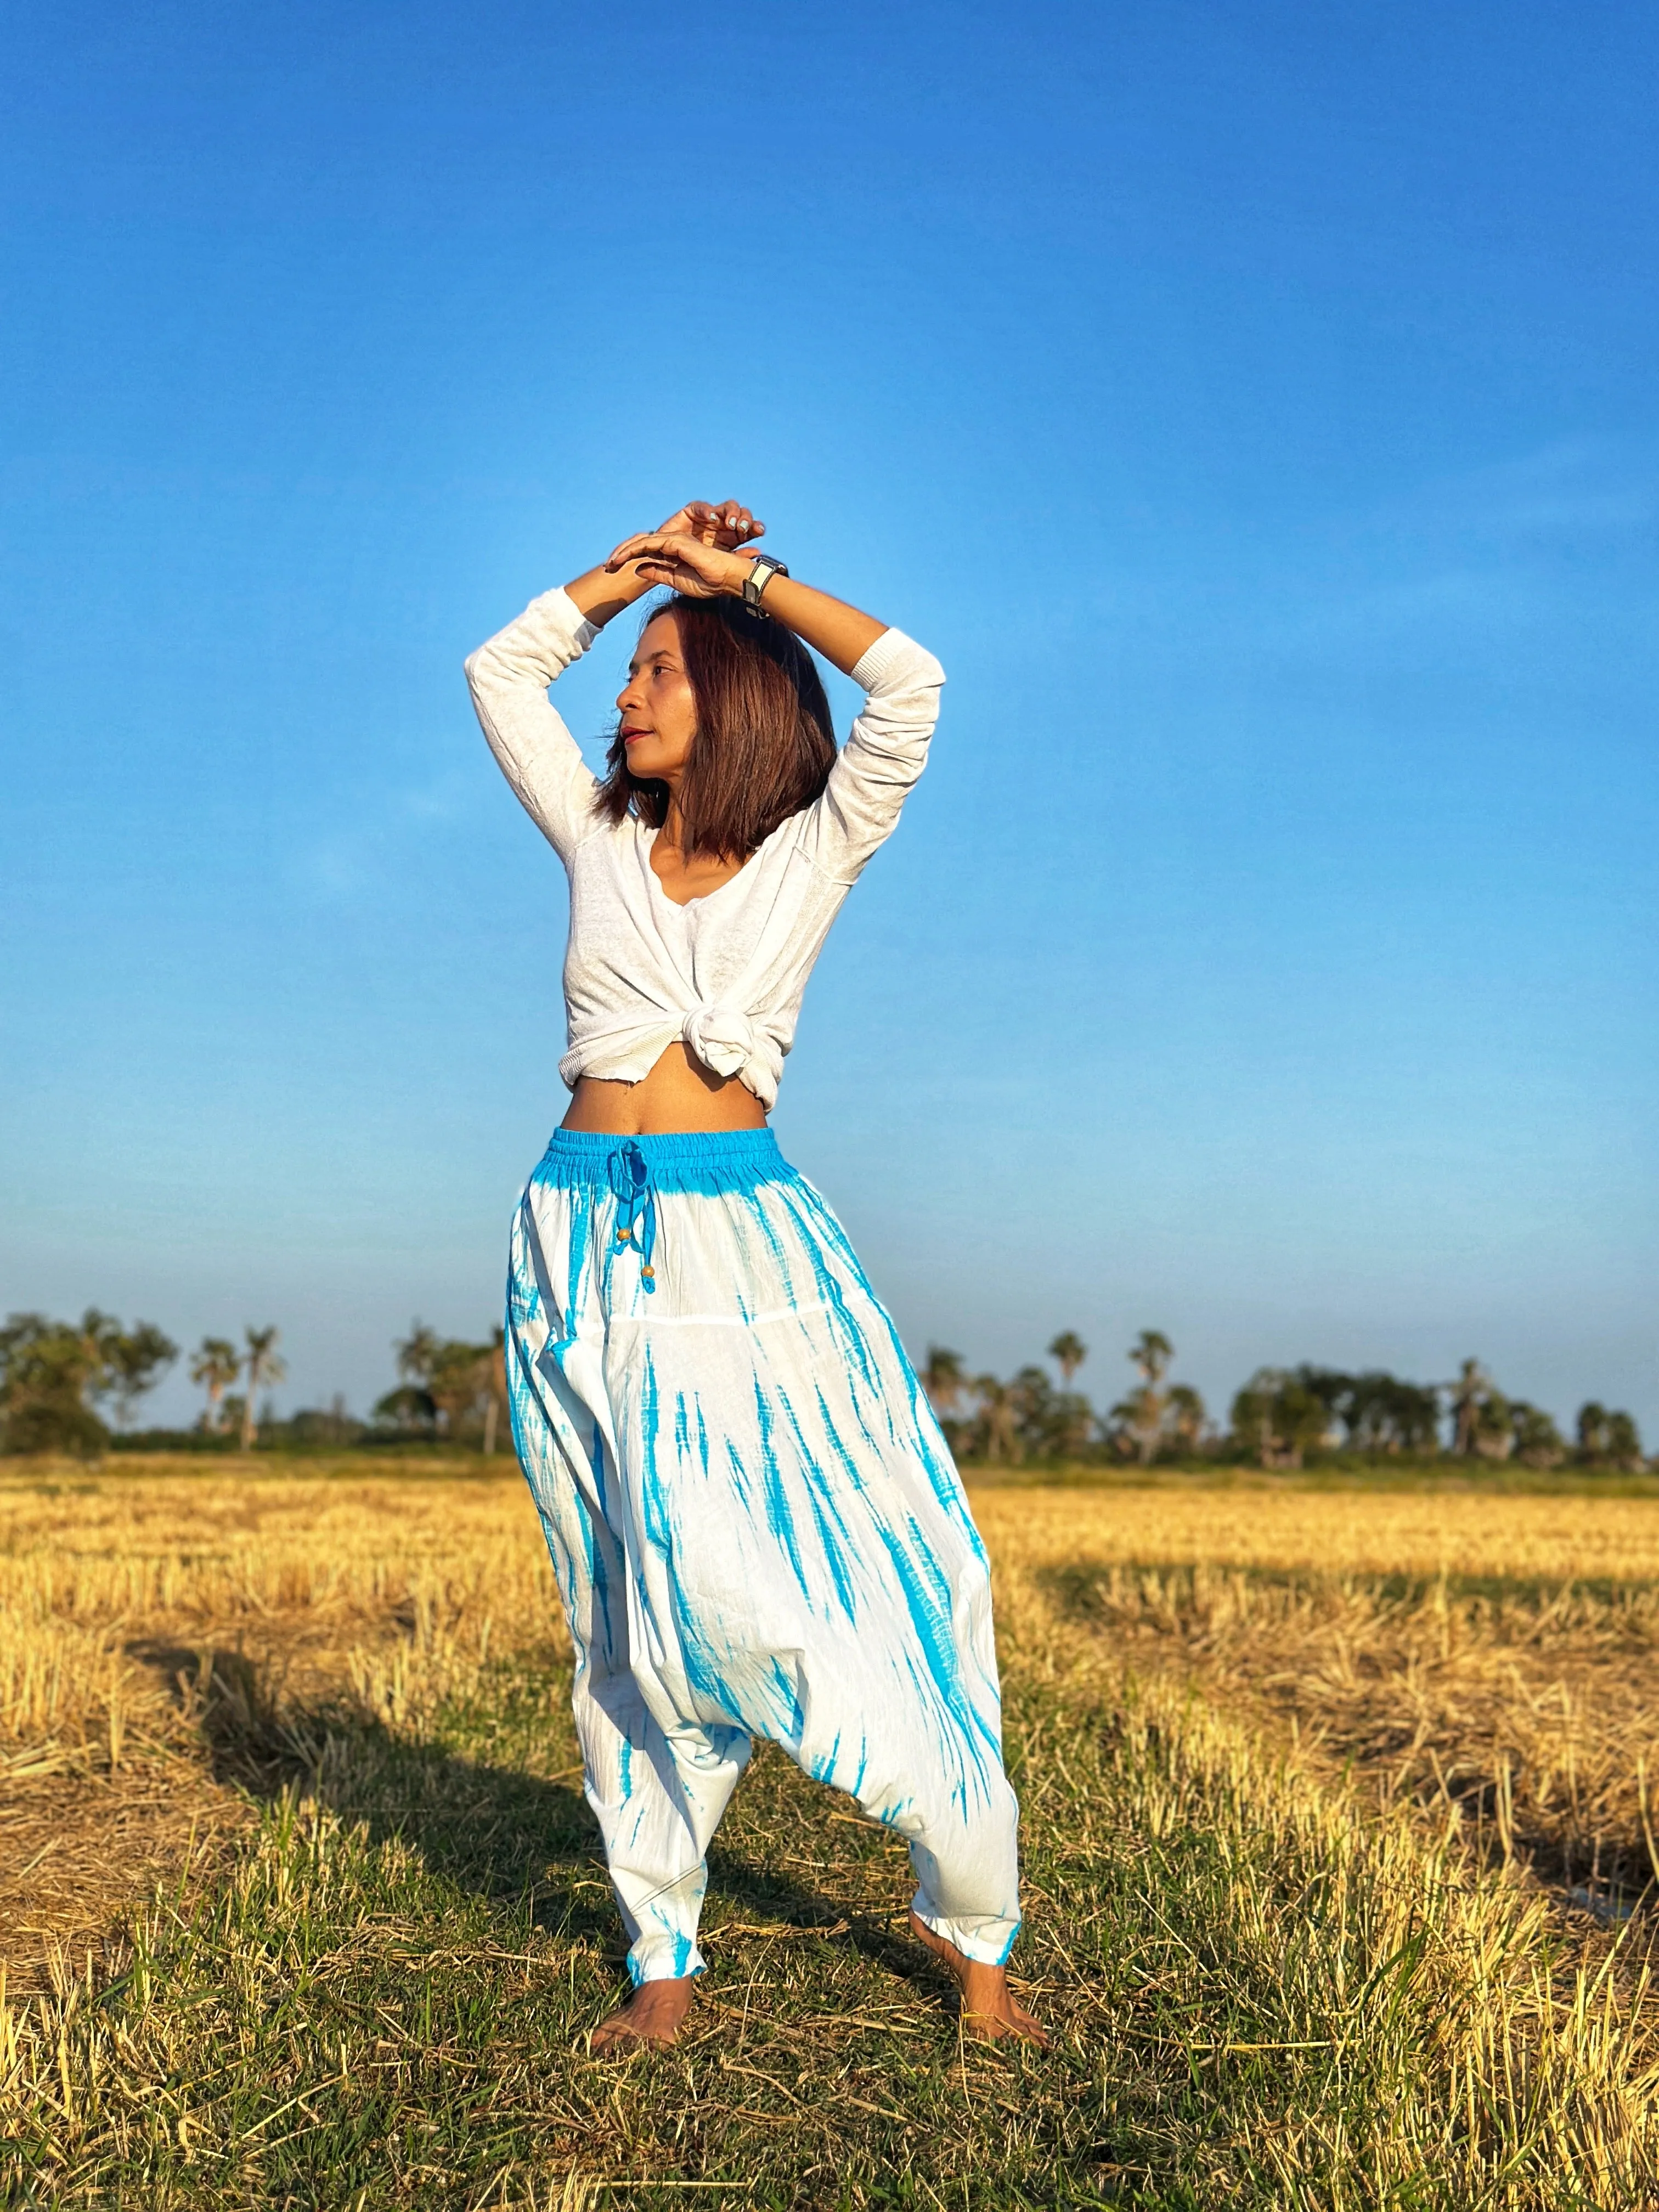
[{"x": 563, "y": 613}]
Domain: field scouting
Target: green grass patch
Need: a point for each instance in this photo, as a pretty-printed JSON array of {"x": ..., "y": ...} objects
[{"x": 1257, "y": 2001}]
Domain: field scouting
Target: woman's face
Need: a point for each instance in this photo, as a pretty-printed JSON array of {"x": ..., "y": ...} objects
[{"x": 658, "y": 709}]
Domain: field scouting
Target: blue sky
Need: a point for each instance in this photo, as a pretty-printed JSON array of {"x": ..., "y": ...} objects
[{"x": 1254, "y": 407}]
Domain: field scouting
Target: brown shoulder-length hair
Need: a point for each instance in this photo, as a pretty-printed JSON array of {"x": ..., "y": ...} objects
[{"x": 764, "y": 746}]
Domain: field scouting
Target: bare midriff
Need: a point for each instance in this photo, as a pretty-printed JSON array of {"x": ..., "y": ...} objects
[{"x": 678, "y": 1096}]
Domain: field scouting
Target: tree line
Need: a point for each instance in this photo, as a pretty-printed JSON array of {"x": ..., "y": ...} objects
[
  {"x": 74, "y": 1387},
  {"x": 62, "y": 1383},
  {"x": 1277, "y": 1419}
]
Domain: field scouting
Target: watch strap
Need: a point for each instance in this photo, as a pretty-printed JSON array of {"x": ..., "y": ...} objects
[{"x": 760, "y": 575}]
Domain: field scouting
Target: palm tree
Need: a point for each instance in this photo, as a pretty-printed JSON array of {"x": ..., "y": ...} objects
[
  {"x": 1002, "y": 1404},
  {"x": 1068, "y": 1351},
  {"x": 1148, "y": 1409},
  {"x": 943, "y": 1379},
  {"x": 1152, "y": 1352},
  {"x": 215, "y": 1367},
  {"x": 1468, "y": 1393},
  {"x": 263, "y": 1365}
]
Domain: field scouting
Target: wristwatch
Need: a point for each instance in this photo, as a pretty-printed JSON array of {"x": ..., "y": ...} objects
[{"x": 760, "y": 575}]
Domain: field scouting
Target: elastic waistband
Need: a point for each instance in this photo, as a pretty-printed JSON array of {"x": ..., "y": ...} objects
[{"x": 707, "y": 1160}]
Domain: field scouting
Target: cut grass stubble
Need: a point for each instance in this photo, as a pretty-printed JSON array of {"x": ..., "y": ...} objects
[{"x": 1268, "y": 1985}]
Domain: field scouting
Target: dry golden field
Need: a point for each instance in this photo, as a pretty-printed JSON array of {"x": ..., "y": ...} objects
[
  {"x": 1339, "y": 1830},
  {"x": 153, "y": 1627}
]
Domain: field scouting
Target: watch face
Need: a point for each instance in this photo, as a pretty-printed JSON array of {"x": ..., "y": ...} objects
[{"x": 761, "y": 573}]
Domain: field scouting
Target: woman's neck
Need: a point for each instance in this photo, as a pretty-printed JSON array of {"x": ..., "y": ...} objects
[{"x": 686, "y": 878}]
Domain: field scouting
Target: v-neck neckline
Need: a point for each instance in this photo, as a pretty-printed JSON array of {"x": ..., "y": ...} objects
[{"x": 683, "y": 906}]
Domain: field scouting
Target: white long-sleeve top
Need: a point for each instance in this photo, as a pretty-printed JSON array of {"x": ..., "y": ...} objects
[{"x": 726, "y": 972}]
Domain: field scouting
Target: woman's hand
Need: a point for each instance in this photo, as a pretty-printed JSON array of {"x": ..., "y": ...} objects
[
  {"x": 683, "y": 562},
  {"x": 672, "y": 554},
  {"x": 727, "y": 523},
  {"x": 695, "y": 551},
  {"x": 698, "y": 530}
]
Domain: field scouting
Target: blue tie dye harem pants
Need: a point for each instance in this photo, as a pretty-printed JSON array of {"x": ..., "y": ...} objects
[{"x": 755, "y": 1525}]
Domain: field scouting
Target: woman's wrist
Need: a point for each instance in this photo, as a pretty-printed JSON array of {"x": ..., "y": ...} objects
[
  {"x": 603, "y": 594},
  {"x": 742, "y": 568}
]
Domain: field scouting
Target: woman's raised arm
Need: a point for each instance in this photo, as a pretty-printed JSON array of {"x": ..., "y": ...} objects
[
  {"x": 721, "y": 526},
  {"x": 702, "y": 571},
  {"x": 888, "y": 747},
  {"x": 510, "y": 676}
]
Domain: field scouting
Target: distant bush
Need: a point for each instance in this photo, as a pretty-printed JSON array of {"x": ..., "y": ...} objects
[
  {"x": 53, "y": 1373},
  {"x": 313, "y": 1428},
  {"x": 56, "y": 1425}
]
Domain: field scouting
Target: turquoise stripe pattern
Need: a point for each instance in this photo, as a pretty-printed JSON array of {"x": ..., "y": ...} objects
[{"x": 755, "y": 1525}]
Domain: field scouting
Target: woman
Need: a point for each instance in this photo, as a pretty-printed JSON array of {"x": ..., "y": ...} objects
[{"x": 756, "y": 1524}]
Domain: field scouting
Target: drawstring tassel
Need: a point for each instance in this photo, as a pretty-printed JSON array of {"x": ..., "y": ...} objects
[{"x": 636, "y": 1207}]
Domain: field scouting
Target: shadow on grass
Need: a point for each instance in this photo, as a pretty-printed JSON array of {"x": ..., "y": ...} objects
[{"x": 499, "y": 1831}]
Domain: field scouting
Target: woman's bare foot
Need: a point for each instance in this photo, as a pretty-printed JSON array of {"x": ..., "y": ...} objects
[
  {"x": 989, "y": 2007},
  {"x": 652, "y": 2014}
]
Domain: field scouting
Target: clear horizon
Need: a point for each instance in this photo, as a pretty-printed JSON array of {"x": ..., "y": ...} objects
[{"x": 1254, "y": 410}]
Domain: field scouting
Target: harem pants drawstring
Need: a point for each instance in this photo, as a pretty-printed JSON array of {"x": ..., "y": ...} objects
[{"x": 636, "y": 1207}]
